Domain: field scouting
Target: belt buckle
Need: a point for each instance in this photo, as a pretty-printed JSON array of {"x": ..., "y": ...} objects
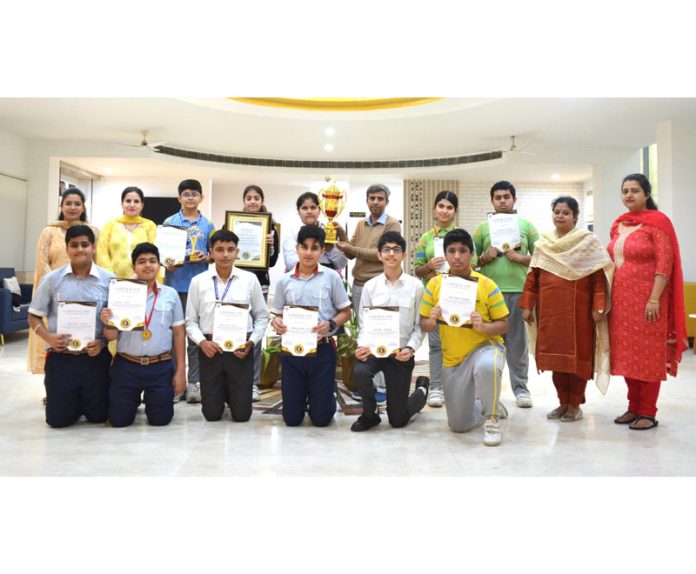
[{"x": 144, "y": 361}]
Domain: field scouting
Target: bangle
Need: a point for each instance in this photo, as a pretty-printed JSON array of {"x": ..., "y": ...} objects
[{"x": 653, "y": 301}]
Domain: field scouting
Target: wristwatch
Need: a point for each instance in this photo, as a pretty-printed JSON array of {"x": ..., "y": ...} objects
[{"x": 332, "y": 325}]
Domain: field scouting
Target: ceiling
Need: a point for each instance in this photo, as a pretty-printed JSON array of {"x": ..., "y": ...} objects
[{"x": 559, "y": 131}]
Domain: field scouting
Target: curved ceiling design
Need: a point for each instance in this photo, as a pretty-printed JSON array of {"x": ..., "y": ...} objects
[{"x": 337, "y": 104}]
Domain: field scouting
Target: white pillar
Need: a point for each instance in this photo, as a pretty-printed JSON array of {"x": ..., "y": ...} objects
[{"x": 676, "y": 174}]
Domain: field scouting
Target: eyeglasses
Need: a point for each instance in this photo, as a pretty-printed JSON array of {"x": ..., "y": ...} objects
[
  {"x": 394, "y": 250},
  {"x": 190, "y": 195}
]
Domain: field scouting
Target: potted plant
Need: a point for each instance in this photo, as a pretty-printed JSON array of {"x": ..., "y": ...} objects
[
  {"x": 270, "y": 373},
  {"x": 346, "y": 343}
]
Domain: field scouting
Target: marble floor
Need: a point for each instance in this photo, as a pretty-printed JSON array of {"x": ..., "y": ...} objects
[{"x": 264, "y": 447}]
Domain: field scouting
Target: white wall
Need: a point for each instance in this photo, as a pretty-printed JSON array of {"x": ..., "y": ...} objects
[{"x": 13, "y": 155}]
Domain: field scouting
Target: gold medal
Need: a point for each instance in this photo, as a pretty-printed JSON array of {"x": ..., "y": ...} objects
[{"x": 147, "y": 334}]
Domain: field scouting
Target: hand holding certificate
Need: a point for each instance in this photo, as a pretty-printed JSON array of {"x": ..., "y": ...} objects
[
  {"x": 127, "y": 303},
  {"x": 300, "y": 339},
  {"x": 457, "y": 300},
  {"x": 230, "y": 326},
  {"x": 171, "y": 242},
  {"x": 79, "y": 320},
  {"x": 439, "y": 251},
  {"x": 381, "y": 330},
  {"x": 504, "y": 229}
]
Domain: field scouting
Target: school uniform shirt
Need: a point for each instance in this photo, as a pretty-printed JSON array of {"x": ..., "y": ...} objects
[
  {"x": 167, "y": 313},
  {"x": 180, "y": 278},
  {"x": 323, "y": 289},
  {"x": 333, "y": 259},
  {"x": 244, "y": 288},
  {"x": 458, "y": 342},
  {"x": 405, "y": 293},
  {"x": 63, "y": 285}
]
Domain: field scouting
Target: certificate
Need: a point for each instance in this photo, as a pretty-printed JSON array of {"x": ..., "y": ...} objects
[
  {"x": 127, "y": 303},
  {"x": 252, "y": 229},
  {"x": 439, "y": 251},
  {"x": 171, "y": 242},
  {"x": 457, "y": 300},
  {"x": 299, "y": 340},
  {"x": 381, "y": 330},
  {"x": 504, "y": 229},
  {"x": 230, "y": 325},
  {"x": 79, "y": 320}
]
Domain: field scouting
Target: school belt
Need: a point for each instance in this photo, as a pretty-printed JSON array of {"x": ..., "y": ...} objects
[
  {"x": 209, "y": 336},
  {"x": 146, "y": 360},
  {"x": 74, "y": 353}
]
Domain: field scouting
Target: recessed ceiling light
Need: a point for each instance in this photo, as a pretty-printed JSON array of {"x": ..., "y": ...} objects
[
  {"x": 555, "y": 177},
  {"x": 108, "y": 170},
  {"x": 328, "y": 147},
  {"x": 329, "y": 131}
]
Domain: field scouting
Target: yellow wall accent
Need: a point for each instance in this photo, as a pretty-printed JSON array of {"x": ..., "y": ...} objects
[
  {"x": 336, "y": 104},
  {"x": 690, "y": 307}
]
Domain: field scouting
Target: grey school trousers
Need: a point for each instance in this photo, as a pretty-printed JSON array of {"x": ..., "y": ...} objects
[
  {"x": 517, "y": 348},
  {"x": 472, "y": 388}
]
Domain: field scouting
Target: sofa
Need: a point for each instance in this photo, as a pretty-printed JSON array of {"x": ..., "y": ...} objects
[{"x": 11, "y": 320}]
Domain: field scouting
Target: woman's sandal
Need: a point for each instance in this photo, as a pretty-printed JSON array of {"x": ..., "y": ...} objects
[
  {"x": 557, "y": 413},
  {"x": 567, "y": 418},
  {"x": 627, "y": 418},
  {"x": 651, "y": 419}
]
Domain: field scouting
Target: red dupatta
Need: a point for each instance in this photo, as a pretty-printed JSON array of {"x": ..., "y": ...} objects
[{"x": 677, "y": 340}]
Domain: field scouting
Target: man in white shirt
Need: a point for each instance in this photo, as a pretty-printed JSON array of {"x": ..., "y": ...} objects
[
  {"x": 226, "y": 377},
  {"x": 393, "y": 288}
]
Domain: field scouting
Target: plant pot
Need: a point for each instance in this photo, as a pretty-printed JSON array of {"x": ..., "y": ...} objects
[
  {"x": 346, "y": 372},
  {"x": 271, "y": 371}
]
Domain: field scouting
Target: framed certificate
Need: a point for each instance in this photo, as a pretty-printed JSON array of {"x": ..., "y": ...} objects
[
  {"x": 252, "y": 229},
  {"x": 457, "y": 300},
  {"x": 381, "y": 330},
  {"x": 299, "y": 340},
  {"x": 127, "y": 303},
  {"x": 230, "y": 326},
  {"x": 504, "y": 229},
  {"x": 79, "y": 320},
  {"x": 171, "y": 242}
]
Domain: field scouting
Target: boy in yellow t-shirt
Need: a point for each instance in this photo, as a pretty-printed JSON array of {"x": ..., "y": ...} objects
[{"x": 474, "y": 354}]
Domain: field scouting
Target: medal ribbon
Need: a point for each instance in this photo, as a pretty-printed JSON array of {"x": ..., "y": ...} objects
[{"x": 148, "y": 318}]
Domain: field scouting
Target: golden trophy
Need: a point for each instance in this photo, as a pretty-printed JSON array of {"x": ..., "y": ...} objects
[
  {"x": 331, "y": 202},
  {"x": 194, "y": 234}
]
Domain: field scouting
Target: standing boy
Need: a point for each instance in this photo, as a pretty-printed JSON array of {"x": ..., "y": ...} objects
[
  {"x": 393, "y": 288},
  {"x": 196, "y": 262},
  {"x": 310, "y": 381},
  {"x": 143, "y": 363},
  {"x": 508, "y": 270},
  {"x": 472, "y": 356},
  {"x": 77, "y": 383},
  {"x": 226, "y": 377}
]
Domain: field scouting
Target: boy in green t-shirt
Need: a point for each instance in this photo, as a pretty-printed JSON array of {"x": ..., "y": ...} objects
[
  {"x": 509, "y": 271},
  {"x": 473, "y": 355}
]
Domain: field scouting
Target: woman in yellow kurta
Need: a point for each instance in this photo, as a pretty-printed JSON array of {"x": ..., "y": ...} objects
[
  {"x": 51, "y": 254},
  {"x": 120, "y": 236}
]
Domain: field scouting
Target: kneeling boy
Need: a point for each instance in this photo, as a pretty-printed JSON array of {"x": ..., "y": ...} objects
[
  {"x": 310, "y": 380},
  {"x": 393, "y": 288},
  {"x": 473, "y": 357},
  {"x": 143, "y": 362}
]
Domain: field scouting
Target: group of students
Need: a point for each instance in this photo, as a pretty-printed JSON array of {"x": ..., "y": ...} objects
[{"x": 561, "y": 283}]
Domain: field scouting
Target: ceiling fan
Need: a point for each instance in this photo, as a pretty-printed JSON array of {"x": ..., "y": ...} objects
[
  {"x": 144, "y": 144},
  {"x": 515, "y": 149}
]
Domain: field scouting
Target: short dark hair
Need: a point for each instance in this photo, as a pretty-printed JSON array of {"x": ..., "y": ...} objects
[
  {"x": 458, "y": 236},
  {"x": 391, "y": 237},
  {"x": 644, "y": 183},
  {"x": 304, "y": 197},
  {"x": 311, "y": 232},
  {"x": 504, "y": 185},
  {"x": 79, "y": 231},
  {"x": 192, "y": 184},
  {"x": 133, "y": 189},
  {"x": 378, "y": 188},
  {"x": 73, "y": 191},
  {"x": 569, "y": 201},
  {"x": 447, "y": 196},
  {"x": 141, "y": 248},
  {"x": 223, "y": 235}
]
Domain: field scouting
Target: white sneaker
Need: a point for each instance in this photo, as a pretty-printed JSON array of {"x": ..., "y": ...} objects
[
  {"x": 179, "y": 397},
  {"x": 255, "y": 394},
  {"x": 524, "y": 401},
  {"x": 193, "y": 393},
  {"x": 491, "y": 432},
  {"x": 435, "y": 398}
]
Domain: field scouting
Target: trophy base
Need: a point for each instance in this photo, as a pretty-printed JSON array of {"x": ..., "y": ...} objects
[{"x": 331, "y": 237}]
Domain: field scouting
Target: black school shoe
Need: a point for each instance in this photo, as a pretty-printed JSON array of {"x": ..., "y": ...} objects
[
  {"x": 365, "y": 423},
  {"x": 423, "y": 382}
]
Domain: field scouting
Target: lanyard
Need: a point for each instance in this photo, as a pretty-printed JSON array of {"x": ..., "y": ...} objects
[
  {"x": 148, "y": 318},
  {"x": 227, "y": 288}
]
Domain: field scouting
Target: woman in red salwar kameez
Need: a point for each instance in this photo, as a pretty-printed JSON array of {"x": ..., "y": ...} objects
[
  {"x": 568, "y": 286},
  {"x": 647, "y": 325}
]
